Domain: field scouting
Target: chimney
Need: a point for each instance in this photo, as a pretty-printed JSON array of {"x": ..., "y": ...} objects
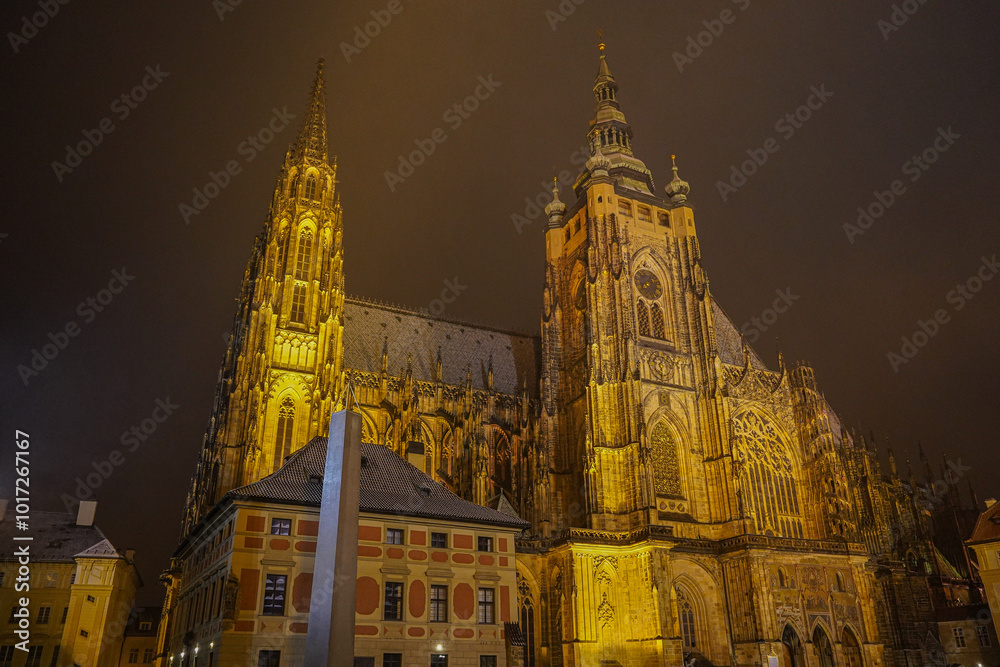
[
  {"x": 990, "y": 502},
  {"x": 85, "y": 514},
  {"x": 415, "y": 454},
  {"x": 3, "y": 509},
  {"x": 130, "y": 555}
]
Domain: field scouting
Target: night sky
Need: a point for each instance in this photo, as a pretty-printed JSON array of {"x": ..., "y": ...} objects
[{"x": 213, "y": 82}]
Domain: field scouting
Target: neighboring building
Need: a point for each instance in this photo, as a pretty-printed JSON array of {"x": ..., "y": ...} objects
[
  {"x": 139, "y": 646},
  {"x": 968, "y": 637},
  {"x": 82, "y": 592},
  {"x": 985, "y": 542},
  {"x": 436, "y": 574},
  {"x": 686, "y": 499}
]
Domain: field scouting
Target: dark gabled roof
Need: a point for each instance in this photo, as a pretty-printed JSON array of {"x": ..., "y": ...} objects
[
  {"x": 466, "y": 349},
  {"x": 988, "y": 526},
  {"x": 389, "y": 485},
  {"x": 143, "y": 615},
  {"x": 57, "y": 538}
]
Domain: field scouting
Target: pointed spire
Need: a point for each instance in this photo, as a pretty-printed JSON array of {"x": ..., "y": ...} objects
[{"x": 311, "y": 143}]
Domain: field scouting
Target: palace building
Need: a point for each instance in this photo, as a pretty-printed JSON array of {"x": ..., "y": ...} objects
[{"x": 683, "y": 499}]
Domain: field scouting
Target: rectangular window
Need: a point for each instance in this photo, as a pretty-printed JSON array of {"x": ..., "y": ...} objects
[
  {"x": 486, "y": 605},
  {"x": 983, "y": 633},
  {"x": 392, "y": 660},
  {"x": 487, "y": 661},
  {"x": 6, "y": 655},
  {"x": 145, "y": 626},
  {"x": 269, "y": 659},
  {"x": 624, "y": 208},
  {"x": 393, "y": 601},
  {"x": 393, "y": 535},
  {"x": 147, "y": 656},
  {"x": 91, "y": 598},
  {"x": 133, "y": 656},
  {"x": 43, "y": 615},
  {"x": 2, "y": 575},
  {"x": 439, "y": 540},
  {"x": 298, "y": 304},
  {"x": 364, "y": 661},
  {"x": 959, "y": 637},
  {"x": 486, "y": 544},
  {"x": 55, "y": 656},
  {"x": 274, "y": 595},
  {"x": 644, "y": 215},
  {"x": 439, "y": 660},
  {"x": 34, "y": 656},
  {"x": 72, "y": 579},
  {"x": 13, "y": 610},
  {"x": 84, "y": 633},
  {"x": 439, "y": 603},
  {"x": 64, "y": 615},
  {"x": 281, "y": 526}
]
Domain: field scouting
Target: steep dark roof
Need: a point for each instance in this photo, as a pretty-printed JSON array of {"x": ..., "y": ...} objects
[
  {"x": 389, "y": 485},
  {"x": 56, "y": 536},
  {"x": 143, "y": 615},
  {"x": 988, "y": 526},
  {"x": 731, "y": 341},
  {"x": 368, "y": 326}
]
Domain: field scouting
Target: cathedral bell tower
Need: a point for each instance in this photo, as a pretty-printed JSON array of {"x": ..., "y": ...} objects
[
  {"x": 623, "y": 288},
  {"x": 282, "y": 371}
]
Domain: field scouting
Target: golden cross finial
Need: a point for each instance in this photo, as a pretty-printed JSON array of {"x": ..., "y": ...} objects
[{"x": 600, "y": 41}]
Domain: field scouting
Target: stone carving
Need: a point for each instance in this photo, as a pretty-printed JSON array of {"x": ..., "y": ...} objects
[{"x": 666, "y": 471}]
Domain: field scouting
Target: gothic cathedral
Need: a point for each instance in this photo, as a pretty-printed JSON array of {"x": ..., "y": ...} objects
[{"x": 686, "y": 500}]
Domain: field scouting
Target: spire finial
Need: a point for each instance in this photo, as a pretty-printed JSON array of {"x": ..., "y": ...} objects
[
  {"x": 677, "y": 189},
  {"x": 555, "y": 208},
  {"x": 600, "y": 41},
  {"x": 312, "y": 137}
]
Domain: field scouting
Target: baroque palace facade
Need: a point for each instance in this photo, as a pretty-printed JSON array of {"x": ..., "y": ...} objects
[{"x": 686, "y": 500}]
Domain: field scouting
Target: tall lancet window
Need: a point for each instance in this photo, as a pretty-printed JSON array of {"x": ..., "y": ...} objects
[
  {"x": 298, "y": 314},
  {"x": 643, "y": 318},
  {"x": 310, "y": 192},
  {"x": 304, "y": 256},
  {"x": 283, "y": 434},
  {"x": 685, "y": 612},
  {"x": 657, "y": 317}
]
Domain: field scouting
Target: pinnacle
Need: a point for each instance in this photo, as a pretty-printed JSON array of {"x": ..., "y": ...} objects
[{"x": 312, "y": 137}]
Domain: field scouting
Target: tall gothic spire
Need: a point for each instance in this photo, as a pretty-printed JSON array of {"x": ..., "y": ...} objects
[{"x": 311, "y": 144}]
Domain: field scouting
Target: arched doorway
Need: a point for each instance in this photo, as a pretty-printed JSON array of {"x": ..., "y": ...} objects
[
  {"x": 792, "y": 648},
  {"x": 824, "y": 649},
  {"x": 852, "y": 651}
]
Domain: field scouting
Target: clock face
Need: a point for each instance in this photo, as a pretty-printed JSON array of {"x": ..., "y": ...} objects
[
  {"x": 648, "y": 284},
  {"x": 581, "y": 296}
]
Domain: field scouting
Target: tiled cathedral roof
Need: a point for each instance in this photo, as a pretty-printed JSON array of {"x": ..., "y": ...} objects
[
  {"x": 731, "y": 342},
  {"x": 389, "y": 485},
  {"x": 368, "y": 326}
]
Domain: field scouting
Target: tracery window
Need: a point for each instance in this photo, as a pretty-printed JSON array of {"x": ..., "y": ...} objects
[
  {"x": 283, "y": 434},
  {"x": 666, "y": 472},
  {"x": 685, "y": 612},
  {"x": 311, "y": 187},
  {"x": 304, "y": 256},
  {"x": 767, "y": 482}
]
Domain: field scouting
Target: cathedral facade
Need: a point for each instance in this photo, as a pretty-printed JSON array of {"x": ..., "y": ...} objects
[{"x": 686, "y": 500}]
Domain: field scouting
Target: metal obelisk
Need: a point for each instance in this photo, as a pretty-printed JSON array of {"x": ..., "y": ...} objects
[{"x": 330, "y": 638}]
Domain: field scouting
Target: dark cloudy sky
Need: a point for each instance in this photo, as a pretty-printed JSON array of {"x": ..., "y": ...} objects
[{"x": 162, "y": 336}]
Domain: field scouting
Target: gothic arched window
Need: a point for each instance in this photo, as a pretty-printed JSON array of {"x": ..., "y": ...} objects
[
  {"x": 769, "y": 490},
  {"x": 304, "y": 256},
  {"x": 656, "y": 315},
  {"x": 298, "y": 313},
  {"x": 283, "y": 434},
  {"x": 666, "y": 472},
  {"x": 685, "y": 613},
  {"x": 643, "y": 316},
  {"x": 310, "y": 192},
  {"x": 528, "y": 629}
]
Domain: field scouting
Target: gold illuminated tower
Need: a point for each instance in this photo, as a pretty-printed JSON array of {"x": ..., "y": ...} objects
[{"x": 280, "y": 375}]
